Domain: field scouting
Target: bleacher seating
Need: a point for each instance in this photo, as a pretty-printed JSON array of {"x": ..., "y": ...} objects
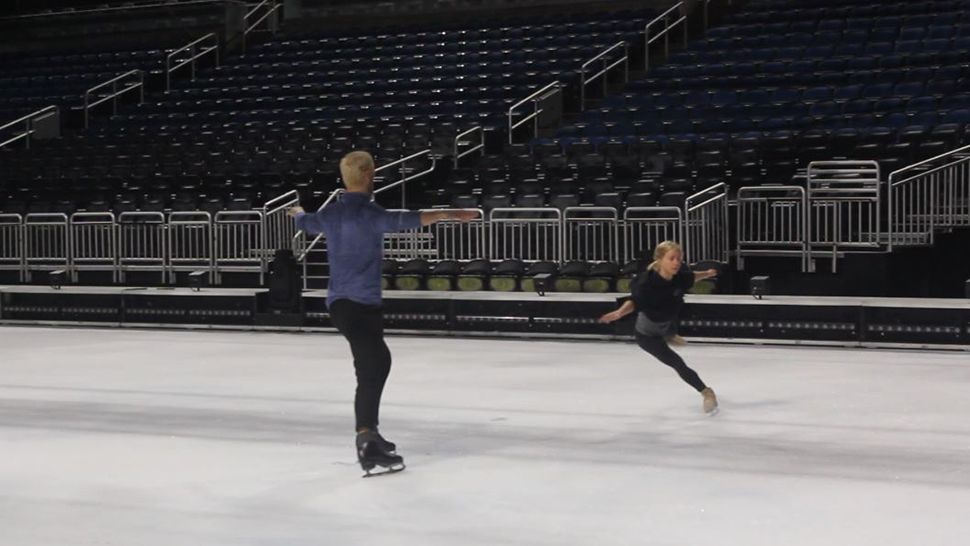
[
  {"x": 283, "y": 114},
  {"x": 756, "y": 100}
]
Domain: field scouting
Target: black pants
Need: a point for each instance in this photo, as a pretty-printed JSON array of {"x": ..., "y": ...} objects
[
  {"x": 657, "y": 346},
  {"x": 363, "y": 326}
]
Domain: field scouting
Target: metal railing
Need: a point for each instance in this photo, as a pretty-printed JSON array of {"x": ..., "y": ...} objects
[
  {"x": 47, "y": 245},
  {"x": 190, "y": 243},
  {"x": 12, "y": 244},
  {"x": 464, "y": 139},
  {"x": 306, "y": 248},
  {"x": 142, "y": 244},
  {"x": 278, "y": 228},
  {"x": 231, "y": 241},
  {"x": 29, "y": 121},
  {"x": 409, "y": 245},
  {"x": 844, "y": 207},
  {"x": 535, "y": 98},
  {"x": 671, "y": 18},
  {"x": 302, "y": 249},
  {"x": 139, "y": 84},
  {"x": 527, "y": 234},
  {"x": 643, "y": 228},
  {"x": 706, "y": 226},
  {"x": 238, "y": 243},
  {"x": 773, "y": 221},
  {"x": 94, "y": 243},
  {"x": 607, "y": 58},
  {"x": 195, "y": 50},
  {"x": 444, "y": 240},
  {"x": 463, "y": 241},
  {"x": 110, "y": 9},
  {"x": 271, "y": 15},
  {"x": 406, "y": 169},
  {"x": 591, "y": 234},
  {"x": 926, "y": 195}
]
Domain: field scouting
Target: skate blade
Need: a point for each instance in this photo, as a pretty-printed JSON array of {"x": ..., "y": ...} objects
[
  {"x": 383, "y": 470},
  {"x": 713, "y": 412}
]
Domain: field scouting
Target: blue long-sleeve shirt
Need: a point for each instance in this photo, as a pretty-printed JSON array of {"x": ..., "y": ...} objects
[{"x": 354, "y": 227}]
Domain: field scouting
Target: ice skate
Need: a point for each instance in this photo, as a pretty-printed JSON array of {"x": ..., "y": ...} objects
[
  {"x": 676, "y": 340},
  {"x": 389, "y": 446},
  {"x": 710, "y": 401},
  {"x": 374, "y": 456}
]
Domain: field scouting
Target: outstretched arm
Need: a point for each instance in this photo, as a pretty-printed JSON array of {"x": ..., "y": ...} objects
[
  {"x": 310, "y": 223},
  {"x": 393, "y": 221},
  {"x": 701, "y": 275},
  {"x": 430, "y": 217},
  {"x": 623, "y": 311}
]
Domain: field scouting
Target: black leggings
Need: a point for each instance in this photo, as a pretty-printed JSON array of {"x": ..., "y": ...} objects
[
  {"x": 657, "y": 346},
  {"x": 363, "y": 326}
]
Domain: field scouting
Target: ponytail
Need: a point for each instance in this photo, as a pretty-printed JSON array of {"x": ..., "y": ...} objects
[{"x": 661, "y": 251}]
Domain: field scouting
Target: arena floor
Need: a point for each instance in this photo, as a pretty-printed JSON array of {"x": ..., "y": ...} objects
[{"x": 137, "y": 437}]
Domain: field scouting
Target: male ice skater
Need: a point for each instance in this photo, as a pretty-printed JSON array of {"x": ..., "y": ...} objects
[{"x": 354, "y": 227}]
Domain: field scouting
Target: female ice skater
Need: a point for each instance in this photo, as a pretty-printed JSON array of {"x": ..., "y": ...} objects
[{"x": 657, "y": 295}]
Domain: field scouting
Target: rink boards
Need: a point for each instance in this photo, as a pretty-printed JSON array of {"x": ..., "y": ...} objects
[{"x": 780, "y": 319}]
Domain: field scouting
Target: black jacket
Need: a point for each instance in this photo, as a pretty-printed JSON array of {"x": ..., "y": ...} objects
[{"x": 659, "y": 298}]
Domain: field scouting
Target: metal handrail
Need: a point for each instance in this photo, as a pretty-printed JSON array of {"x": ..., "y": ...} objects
[
  {"x": 53, "y": 220},
  {"x": 612, "y": 210},
  {"x": 607, "y": 66},
  {"x": 286, "y": 199},
  {"x": 844, "y": 217},
  {"x": 78, "y": 221},
  {"x": 802, "y": 227},
  {"x": 115, "y": 93},
  {"x": 143, "y": 240},
  {"x": 495, "y": 222},
  {"x": 254, "y": 254},
  {"x": 275, "y": 7},
  {"x": 165, "y": 4},
  {"x": 406, "y": 179},
  {"x": 534, "y": 116},
  {"x": 302, "y": 257},
  {"x": 596, "y": 216},
  {"x": 337, "y": 192},
  {"x": 930, "y": 160},
  {"x": 229, "y": 216},
  {"x": 28, "y": 124},
  {"x": 399, "y": 161},
  {"x": 665, "y": 33},
  {"x": 931, "y": 196},
  {"x": 934, "y": 170},
  {"x": 480, "y": 146},
  {"x": 718, "y": 242},
  {"x": 702, "y": 203},
  {"x": 40, "y": 217},
  {"x": 676, "y": 214},
  {"x": 15, "y": 260},
  {"x": 627, "y": 212},
  {"x": 176, "y": 262},
  {"x": 189, "y": 47},
  {"x": 445, "y": 248}
]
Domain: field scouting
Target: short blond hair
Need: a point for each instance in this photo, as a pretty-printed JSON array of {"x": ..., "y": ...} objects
[
  {"x": 661, "y": 251},
  {"x": 356, "y": 168}
]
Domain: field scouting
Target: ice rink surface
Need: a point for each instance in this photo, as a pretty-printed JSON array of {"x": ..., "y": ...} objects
[{"x": 199, "y": 438}]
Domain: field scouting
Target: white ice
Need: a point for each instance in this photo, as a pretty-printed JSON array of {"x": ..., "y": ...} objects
[{"x": 179, "y": 438}]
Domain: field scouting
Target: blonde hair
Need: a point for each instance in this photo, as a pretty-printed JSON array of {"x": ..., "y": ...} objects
[
  {"x": 357, "y": 168},
  {"x": 661, "y": 251}
]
